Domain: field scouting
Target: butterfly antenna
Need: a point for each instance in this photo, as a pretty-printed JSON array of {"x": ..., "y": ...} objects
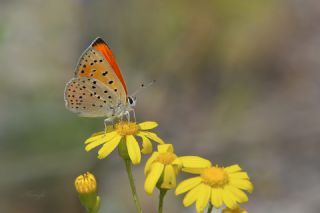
[{"x": 143, "y": 86}]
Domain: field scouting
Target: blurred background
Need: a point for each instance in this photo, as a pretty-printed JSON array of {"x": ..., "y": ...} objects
[{"x": 237, "y": 82}]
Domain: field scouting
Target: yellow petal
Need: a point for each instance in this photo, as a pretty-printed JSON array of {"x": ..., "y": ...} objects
[
  {"x": 242, "y": 184},
  {"x": 177, "y": 169},
  {"x": 229, "y": 199},
  {"x": 94, "y": 137},
  {"x": 107, "y": 148},
  {"x": 169, "y": 178},
  {"x": 216, "y": 197},
  {"x": 239, "y": 175},
  {"x": 133, "y": 149},
  {"x": 98, "y": 133},
  {"x": 233, "y": 168},
  {"x": 153, "y": 177},
  {"x": 146, "y": 144},
  {"x": 240, "y": 196},
  {"x": 147, "y": 125},
  {"x": 153, "y": 137},
  {"x": 149, "y": 162},
  {"x": 192, "y": 195},
  {"x": 203, "y": 198},
  {"x": 177, "y": 163},
  {"x": 165, "y": 148},
  {"x": 194, "y": 162},
  {"x": 95, "y": 143},
  {"x": 188, "y": 184},
  {"x": 105, "y": 138},
  {"x": 192, "y": 171}
]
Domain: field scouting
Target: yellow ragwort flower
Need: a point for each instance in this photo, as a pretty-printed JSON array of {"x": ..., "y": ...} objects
[
  {"x": 237, "y": 210},
  {"x": 163, "y": 166},
  {"x": 86, "y": 183},
  {"x": 216, "y": 184},
  {"x": 125, "y": 131}
]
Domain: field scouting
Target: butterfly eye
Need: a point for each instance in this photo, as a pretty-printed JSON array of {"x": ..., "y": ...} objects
[{"x": 131, "y": 101}]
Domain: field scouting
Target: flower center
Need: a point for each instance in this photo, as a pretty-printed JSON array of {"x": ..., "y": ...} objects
[
  {"x": 127, "y": 128},
  {"x": 215, "y": 177},
  {"x": 166, "y": 158}
]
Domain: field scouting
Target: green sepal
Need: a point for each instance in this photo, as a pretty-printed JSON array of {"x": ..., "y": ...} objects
[
  {"x": 90, "y": 201},
  {"x": 96, "y": 207},
  {"x": 123, "y": 150}
]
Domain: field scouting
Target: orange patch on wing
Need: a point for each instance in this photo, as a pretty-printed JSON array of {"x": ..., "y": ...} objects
[{"x": 101, "y": 46}]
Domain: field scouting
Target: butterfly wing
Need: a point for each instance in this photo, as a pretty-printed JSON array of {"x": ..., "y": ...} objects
[
  {"x": 99, "y": 63},
  {"x": 90, "y": 98},
  {"x": 98, "y": 87}
]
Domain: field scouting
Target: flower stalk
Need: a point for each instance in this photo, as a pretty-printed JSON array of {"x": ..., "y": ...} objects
[
  {"x": 210, "y": 208},
  {"x": 161, "y": 199},
  {"x": 132, "y": 185}
]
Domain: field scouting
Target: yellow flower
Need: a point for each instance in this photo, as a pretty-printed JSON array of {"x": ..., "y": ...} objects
[
  {"x": 86, "y": 183},
  {"x": 237, "y": 210},
  {"x": 125, "y": 132},
  {"x": 218, "y": 185},
  {"x": 163, "y": 166}
]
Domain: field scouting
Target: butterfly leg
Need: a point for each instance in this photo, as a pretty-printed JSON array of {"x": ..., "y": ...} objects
[
  {"x": 127, "y": 115},
  {"x": 129, "y": 112},
  {"x": 108, "y": 122},
  {"x": 123, "y": 117},
  {"x": 133, "y": 115}
]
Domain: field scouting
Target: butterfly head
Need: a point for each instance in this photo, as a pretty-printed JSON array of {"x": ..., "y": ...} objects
[{"x": 132, "y": 100}]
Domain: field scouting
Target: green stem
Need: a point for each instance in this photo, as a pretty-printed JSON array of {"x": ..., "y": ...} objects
[
  {"x": 210, "y": 208},
  {"x": 133, "y": 188},
  {"x": 161, "y": 198}
]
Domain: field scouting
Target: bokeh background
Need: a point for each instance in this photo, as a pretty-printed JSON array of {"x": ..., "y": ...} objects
[{"x": 237, "y": 82}]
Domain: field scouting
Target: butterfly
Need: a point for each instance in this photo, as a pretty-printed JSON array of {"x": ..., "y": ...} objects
[{"x": 98, "y": 88}]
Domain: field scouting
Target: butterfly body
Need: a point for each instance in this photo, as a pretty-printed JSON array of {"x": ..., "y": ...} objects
[{"x": 98, "y": 88}]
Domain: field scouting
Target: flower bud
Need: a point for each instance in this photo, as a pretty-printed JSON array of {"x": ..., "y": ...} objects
[
  {"x": 86, "y": 183},
  {"x": 86, "y": 186}
]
